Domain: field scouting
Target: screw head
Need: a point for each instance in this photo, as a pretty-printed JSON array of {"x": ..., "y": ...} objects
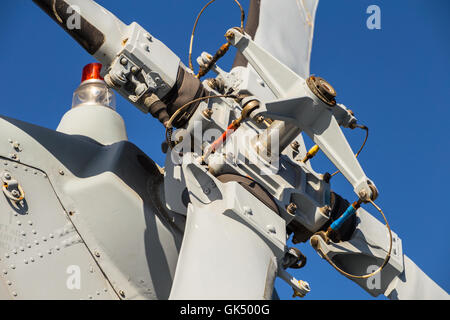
[{"x": 123, "y": 61}]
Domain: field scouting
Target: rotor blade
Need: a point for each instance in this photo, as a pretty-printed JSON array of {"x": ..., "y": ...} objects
[
  {"x": 222, "y": 259},
  {"x": 285, "y": 29}
]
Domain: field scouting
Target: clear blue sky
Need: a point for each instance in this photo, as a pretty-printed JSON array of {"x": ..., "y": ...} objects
[{"x": 396, "y": 80}]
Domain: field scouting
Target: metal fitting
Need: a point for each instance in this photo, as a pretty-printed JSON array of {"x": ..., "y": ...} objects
[
  {"x": 295, "y": 145},
  {"x": 322, "y": 89},
  {"x": 207, "y": 113},
  {"x": 291, "y": 208}
]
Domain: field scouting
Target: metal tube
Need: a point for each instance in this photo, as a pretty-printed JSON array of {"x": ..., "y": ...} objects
[{"x": 275, "y": 138}]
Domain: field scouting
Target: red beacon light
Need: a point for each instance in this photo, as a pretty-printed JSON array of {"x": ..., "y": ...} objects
[
  {"x": 91, "y": 71},
  {"x": 93, "y": 91}
]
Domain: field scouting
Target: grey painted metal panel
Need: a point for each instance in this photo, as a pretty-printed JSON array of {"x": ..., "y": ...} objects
[{"x": 115, "y": 195}]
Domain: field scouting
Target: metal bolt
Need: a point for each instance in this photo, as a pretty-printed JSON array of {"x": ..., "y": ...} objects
[
  {"x": 259, "y": 119},
  {"x": 207, "y": 113},
  {"x": 291, "y": 208},
  {"x": 123, "y": 61},
  {"x": 206, "y": 190},
  {"x": 295, "y": 145},
  {"x": 229, "y": 35},
  {"x": 134, "y": 69},
  {"x": 16, "y": 146}
]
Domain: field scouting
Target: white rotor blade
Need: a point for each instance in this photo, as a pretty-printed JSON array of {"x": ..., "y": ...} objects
[{"x": 285, "y": 29}]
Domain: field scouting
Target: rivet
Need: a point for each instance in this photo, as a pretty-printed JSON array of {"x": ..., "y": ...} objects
[
  {"x": 21, "y": 248},
  {"x": 57, "y": 248},
  {"x": 14, "y": 294},
  {"x": 26, "y": 261},
  {"x": 13, "y": 266},
  {"x": 14, "y": 251},
  {"x": 32, "y": 259},
  {"x": 248, "y": 210},
  {"x": 23, "y": 233},
  {"x": 19, "y": 223},
  {"x": 34, "y": 231},
  {"x": 51, "y": 236},
  {"x": 36, "y": 242},
  {"x": 123, "y": 61},
  {"x": 30, "y": 223},
  {"x": 6, "y": 255},
  {"x": 40, "y": 255},
  {"x": 44, "y": 239},
  {"x": 49, "y": 251},
  {"x": 97, "y": 254},
  {"x": 9, "y": 283},
  {"x": 61, "y": 172},
  {"x": 5, "y": 272},
  {"x": 122, "y": 293},
  {"x": 28, "y": 245}
]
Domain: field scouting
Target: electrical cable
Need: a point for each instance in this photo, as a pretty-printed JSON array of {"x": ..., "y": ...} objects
[
  {"x": 360, "y": 149},
  {"x": 386, "y": 259},
  {"x": 195, "y": 26}
]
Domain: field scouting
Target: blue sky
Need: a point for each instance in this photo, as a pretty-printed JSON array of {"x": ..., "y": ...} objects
[{"x": 396, "y": 80}]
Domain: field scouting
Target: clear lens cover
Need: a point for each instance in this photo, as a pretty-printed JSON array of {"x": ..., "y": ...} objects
[{"x": 94, "y": 92}]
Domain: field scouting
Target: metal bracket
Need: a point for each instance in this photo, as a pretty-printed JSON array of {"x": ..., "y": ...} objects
[
  {"x": 298, "y": 105},
  {"x": 144, "y": 67},
  {"x": 11, "y": 188}
]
